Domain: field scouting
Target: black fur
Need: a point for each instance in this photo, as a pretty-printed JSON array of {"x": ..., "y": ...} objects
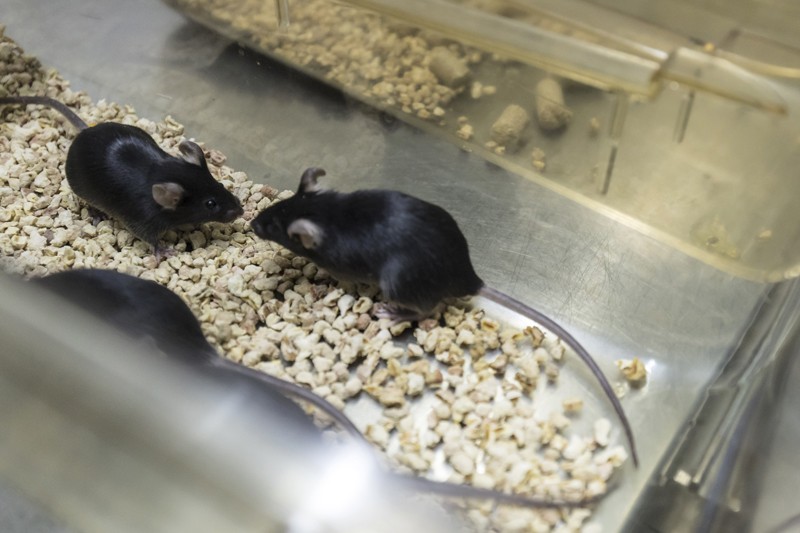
[
  {"x": 148, "y": 311},
  {"x": 143, "y": 309},
  {"x": 113, "y": 167},
  {"x": 412, "y": 249}
]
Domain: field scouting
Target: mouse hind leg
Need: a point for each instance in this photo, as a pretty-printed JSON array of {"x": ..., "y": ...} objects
[
  {"x": 151, "y": 234},
  {"x": 96, "y": 214},
  {"x": 397, "y": 313},
  {"x": 408, "y": 297}
]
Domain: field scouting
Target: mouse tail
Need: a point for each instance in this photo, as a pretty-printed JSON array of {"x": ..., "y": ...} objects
[
  {"x": 527, "y": 311},
  {"x": 470, "y": 492},
  {"x": 62, "y": 108},
  {"x": 297, "y": 392}
]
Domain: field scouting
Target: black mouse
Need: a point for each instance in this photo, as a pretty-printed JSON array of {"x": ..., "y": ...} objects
[
  {"x": 120, "y": 171},
  {"x": 148, "y": 311},
  {"x": 412, "y": 249}
]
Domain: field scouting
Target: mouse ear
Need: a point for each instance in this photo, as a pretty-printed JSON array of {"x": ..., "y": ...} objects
[
  {"x": 168, "y": 194},
  {"x": 309, "y": 233},
  {"x": 308, "y": 183},
  {"x": 192, "y": 153}
]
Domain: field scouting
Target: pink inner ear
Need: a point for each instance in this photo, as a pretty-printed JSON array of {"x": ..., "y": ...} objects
[
  {"x": 167, "y": 195},
  {"x": 309, "y": 233}
]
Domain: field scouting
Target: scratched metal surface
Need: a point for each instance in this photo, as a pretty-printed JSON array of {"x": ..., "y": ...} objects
[{"x": 619, "y": 292}]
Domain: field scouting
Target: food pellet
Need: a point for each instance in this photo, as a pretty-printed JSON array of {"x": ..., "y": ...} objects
[
  {"x": 594, "y": 126},
  {"x": 551, "y": 112},
  {"x": 507, "y": 129},
  {"x": 465, "y": 131},
  {"x": 448, "y": 68},
  {"x": 572, "y": 405},
  {"x": 538, "y": 159},
  {"x": 633, "y": 370}
]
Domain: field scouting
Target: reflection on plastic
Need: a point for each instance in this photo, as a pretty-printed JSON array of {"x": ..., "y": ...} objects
[
  {"x": 107, "y": 438},
  {"x": 340, "y": 492}
]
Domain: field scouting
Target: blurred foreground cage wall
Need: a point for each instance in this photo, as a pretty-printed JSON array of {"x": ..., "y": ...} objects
[
  {"x": 676, "y": 119},
  {"x": 106, "y": 438}
]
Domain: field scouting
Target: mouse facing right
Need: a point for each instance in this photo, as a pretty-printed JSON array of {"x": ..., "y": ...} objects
[
  {"x": 120, "y": 171},
  {"x": 148, "y": 311},
  {"x": 412, "y": 249}
]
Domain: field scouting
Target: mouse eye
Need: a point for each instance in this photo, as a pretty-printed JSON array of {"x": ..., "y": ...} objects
[{"x": 211, "y": 204}]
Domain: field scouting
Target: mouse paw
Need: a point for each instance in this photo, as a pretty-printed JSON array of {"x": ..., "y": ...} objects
[
  {"x": 97, "y": 215},
  {"x": 162, "y": 253},
  {"x": 396, "y": 313}
]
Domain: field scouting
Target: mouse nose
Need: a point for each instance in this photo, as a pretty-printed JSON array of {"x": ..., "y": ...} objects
[{"x": 233, "y": 213}]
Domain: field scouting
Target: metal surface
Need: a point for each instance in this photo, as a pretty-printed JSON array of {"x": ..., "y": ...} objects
[
  {"x": 620, "y": 293},
  {"x": 712, "y": 480}
]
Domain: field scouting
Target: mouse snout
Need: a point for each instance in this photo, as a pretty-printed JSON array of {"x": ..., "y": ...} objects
[{"x": 233, "y": 213}]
